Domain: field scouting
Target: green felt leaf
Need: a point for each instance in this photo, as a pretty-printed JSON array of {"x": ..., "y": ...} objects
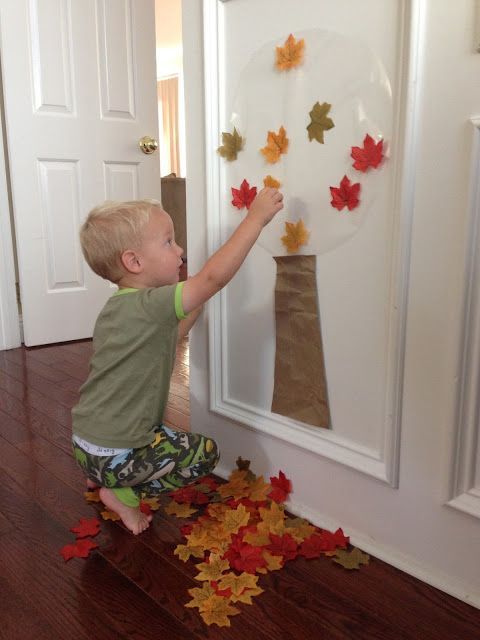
[{"x": 320, "y": 121}]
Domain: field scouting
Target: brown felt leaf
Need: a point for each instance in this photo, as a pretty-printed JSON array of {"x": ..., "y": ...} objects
[
  {"x": 296, "y": 236},
  {"x": 351, "y": 559},
  {"x": 320, "y": 121},
  {"x": 179, "y": 510},
  {"x": 213, "y": 569},
  {"x": 242, "y": 465},
  {"x": 299, "y": 528},
  {"x": 232, "y": 144},
  {"x": 291, "y": 54},
  {"x": 216, "y": 610}
]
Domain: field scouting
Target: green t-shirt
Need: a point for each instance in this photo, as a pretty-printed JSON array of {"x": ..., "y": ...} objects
[{"x": 134, "y": 345}]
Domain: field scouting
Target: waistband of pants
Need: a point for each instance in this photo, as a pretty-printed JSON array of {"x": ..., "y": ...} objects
[{"x": 95, "y": 450}]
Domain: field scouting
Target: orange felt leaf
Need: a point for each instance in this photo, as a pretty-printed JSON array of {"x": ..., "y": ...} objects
[
  {"x": 216, "y": 609},
  {"x": 235, "y": 518},
  {"x": 257, "y": 538},
  {"x": 291, "y": 54},
  {"x": 237, "y": 487},
  {"x": 296, "y": 236},
  {"x": 277, "y": 143},
  {"x": 92, "y": 496},
  {"x": 110, "y": 515},
  {"x": 213, "y": 569},
  {"x": 179, "y": 510},
  {"x": 270, "y": 181},
  {"x": 273, "y": 519},
  {"x": 152, "y": 503}
]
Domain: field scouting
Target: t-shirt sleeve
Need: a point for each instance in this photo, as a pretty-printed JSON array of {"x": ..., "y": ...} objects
[{"x": 164, "y": 304}]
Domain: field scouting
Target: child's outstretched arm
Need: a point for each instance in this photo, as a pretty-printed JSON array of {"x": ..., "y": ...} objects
[
  {"x": 185, "y": 325},
  {"x": 223, "y": 265}
]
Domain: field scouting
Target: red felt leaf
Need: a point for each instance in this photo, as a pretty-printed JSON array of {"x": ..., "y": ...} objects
[
  {"x": 323, "y": 542},
  {"x": 334, "y": 540},
  {"x": 244, "y": 196},
  {"x": 209, "y": 481},
  {"x": 225, "y": 593},
  {"x": 346, "y": 195},
  {"x": 186, "y": 529},
  {"x": 189, "y": 495},
  {"x": 145, "y": 508},
  {"x": 370, "y": 155},
  {"x": 86, "y": 527},
  {"x": 281, "y": 487},
  {"x": 80, "y": 549},
  {"x": 244, "y": 557},
  {"x": 284, "y": 546}
]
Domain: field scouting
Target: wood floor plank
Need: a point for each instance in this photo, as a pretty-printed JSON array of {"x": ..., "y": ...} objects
[{"x": 20, "y": 618}]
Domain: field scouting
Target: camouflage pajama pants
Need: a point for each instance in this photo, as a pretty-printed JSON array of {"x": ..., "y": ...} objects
[{"x": 174, "y": 459}]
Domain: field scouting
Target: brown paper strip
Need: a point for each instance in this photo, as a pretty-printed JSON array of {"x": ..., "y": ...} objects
[{"x": 300, "y": 386}]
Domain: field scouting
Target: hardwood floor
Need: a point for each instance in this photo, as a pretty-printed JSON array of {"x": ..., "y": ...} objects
[{"x": 134, "y": 587}]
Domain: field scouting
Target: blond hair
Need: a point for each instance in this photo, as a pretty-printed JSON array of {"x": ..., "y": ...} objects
[{"x": 109, "y": 230}]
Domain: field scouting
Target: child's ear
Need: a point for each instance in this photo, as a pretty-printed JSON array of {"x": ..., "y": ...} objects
[{"x": 131, "y": 261}]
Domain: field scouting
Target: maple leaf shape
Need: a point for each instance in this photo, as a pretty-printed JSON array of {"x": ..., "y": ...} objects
[
  {"x": 237, "y": 584},
  {"x": 145, "y": 508},
  {"x": 80, "y": 549},
  {"x": 346, "y": 195},
  {"x": 209, "y": 482},
  {"x": 86, "y": 528},
  {"x": 259, "y": 490},
  {"x": 272, "y": 519},
  {"x": 217, "y": 510},
  {"x": 242, "y": 465},
  {"x": 282, "y": 487},
  {"x": 244, "y": 557},
  {"x": 244, "y": 196},
  {"x": 296, "y": 236},
  {"x": 270, "y": 181},
  {"x": 200, "y": 595},
  {"x": 284, "y": 546},
  {"x": 215, "y": 610},
  {"x": 237, "y": 486},
  {"x": 257, "y": 538},
  {"x": 246, "y": 595},
  {"x": 351, "y": 560},
  {"x": 232, "y": 144},
  {"x": 184, "y": 552},
  {"x": 371, "y": 155},
  {"x": 92, "y": 496},
  {"x": 179, "y": 510},
  {"x": 213, "y": 569},
  {"x": 110, "y": 515},
  {"x": 274, "y": 563},
  {"x": 334, "y": 540},
  {"x": 235, "y": 518},
  {"x": 299, "y": 529},
  {"x": 320, "y": 121},
  {"x": 189, "y": 495},
  {"x": 277, "y": 143},
  {"x": 291, "y": 54},
  {"x": 152, "y": 503},
  {"x": 313, "y": 547}
]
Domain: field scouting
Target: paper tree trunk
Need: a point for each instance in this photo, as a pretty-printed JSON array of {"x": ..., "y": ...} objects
[{"x": 300, "y": 386}]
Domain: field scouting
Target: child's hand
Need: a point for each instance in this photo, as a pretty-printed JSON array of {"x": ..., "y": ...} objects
[{"x": 268, "y": 202}]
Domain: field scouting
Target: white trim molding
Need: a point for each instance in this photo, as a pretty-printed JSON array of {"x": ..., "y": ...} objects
[
  {"x": 382, "y": 464},
  {"x": 465, "y": 485}
]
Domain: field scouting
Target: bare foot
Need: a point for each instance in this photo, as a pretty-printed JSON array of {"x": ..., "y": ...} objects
[
  {"x": 131, "y": 517},
  {"x": 91, "y": 484}
]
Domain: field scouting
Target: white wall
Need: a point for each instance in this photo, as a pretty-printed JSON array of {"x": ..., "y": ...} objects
[{"x": 410, "y": 527}]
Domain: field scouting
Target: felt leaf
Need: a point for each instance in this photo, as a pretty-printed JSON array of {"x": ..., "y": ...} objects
[
  {"x": 152, "y": 503},
  {"x": 273, "y": 518},
  {"x": 282, "y": 487},
  {"x": 179, "y": 510},
  {"x": 238, "y": 583},
  {"x": 277, "y": 143},
  {"x": 259, "y": 490},
  {"x": 370, "y": 155},
  {"x": 189, "y": 495},
  {"x": 312, "y": 547},
  {"x": 242, "y": 465},
  {"x": 215, "y": 610},
  {"x": 92, "y": 496},
  {"x": 299, "y": 528},
  {"x": 320, "y": 121},
  {"x": 346, "y": 195},
  {"x": 352, "y": 559},
  {"x": 86, "y": 528},
  {"x": 80, "y": 549},
  {"x": 200, "y": 595},
  {"x": 236, "y": 487},
  {"x": 246, "y": 595},
  {"x": 213, "y": 569},
  {"x": 296, "y": 236},
  {"x": 232, "y": 144},
  {"x": 235, "y": 518},
  {"x": 145, "y": 508},
  {"x": 270, "y": 181},
  {"x": 110, "y": 515},
  {"x": 217, "y": 510},
  {"x": 284, "y": 546},
  {"x": 244, "y": 557},
  {"x": 274, "y": 562},
  {"x": 244, "y": 196},
  {"x": 209, "y": 482},
  {"x": 257, "y": 538},
  {"x": 291, "y": 54},
  {"x": 185, "y": 552}
]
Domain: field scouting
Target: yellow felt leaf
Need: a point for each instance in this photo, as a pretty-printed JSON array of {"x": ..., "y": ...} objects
[
  {"x": 351, "y": 559},
  {"x": 215, "y": 610},
  {"x": 213, "y": 569},
  {"x": 232, "y": 144},
  {"x": 238, "y": 583},
  {"x": 259, "y": 490},
  {"x": 200, "y": 595},
  {"x": 235, "y": 518},
  {"x": 273, "y": 562},
  {"x": 110, "y": 515},
  {"x": 153, "y": 503},
  {"x": 277, "y": 143},
  {"x": 92, "y": 496},
  {"x": 184, "y": 552},
  {"x": 296, "y": 236},
  {"x": 299, "y": 529},
  {"x": 270, "y": 181},
  {"x": 179, "y": 510},
  {"x": 258, "y": 538},
  {"x": 237, "y": 487},
  {"x": 291, "y": 54},
  {"x": 273, "y": 519},
  {"x": 246, "y": 596}
]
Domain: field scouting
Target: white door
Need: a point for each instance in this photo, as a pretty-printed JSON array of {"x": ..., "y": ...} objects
[{"x": 80, "y": 91}]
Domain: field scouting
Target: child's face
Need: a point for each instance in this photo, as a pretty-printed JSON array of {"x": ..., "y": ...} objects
[{"x": 161, "y": 256}]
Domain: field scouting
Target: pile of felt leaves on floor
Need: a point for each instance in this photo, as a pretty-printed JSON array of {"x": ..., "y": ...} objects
[{"x": 242, "y": 533}]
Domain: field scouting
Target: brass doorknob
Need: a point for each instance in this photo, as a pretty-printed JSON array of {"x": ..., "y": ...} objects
[{"x": 148, "y": 144}]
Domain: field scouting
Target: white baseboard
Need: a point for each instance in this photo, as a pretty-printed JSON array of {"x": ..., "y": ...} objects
[{"x": 429, "y": 575}]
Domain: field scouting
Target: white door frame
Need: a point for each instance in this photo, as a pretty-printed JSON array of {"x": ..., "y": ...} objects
[{"x": 9, "y": 319}]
